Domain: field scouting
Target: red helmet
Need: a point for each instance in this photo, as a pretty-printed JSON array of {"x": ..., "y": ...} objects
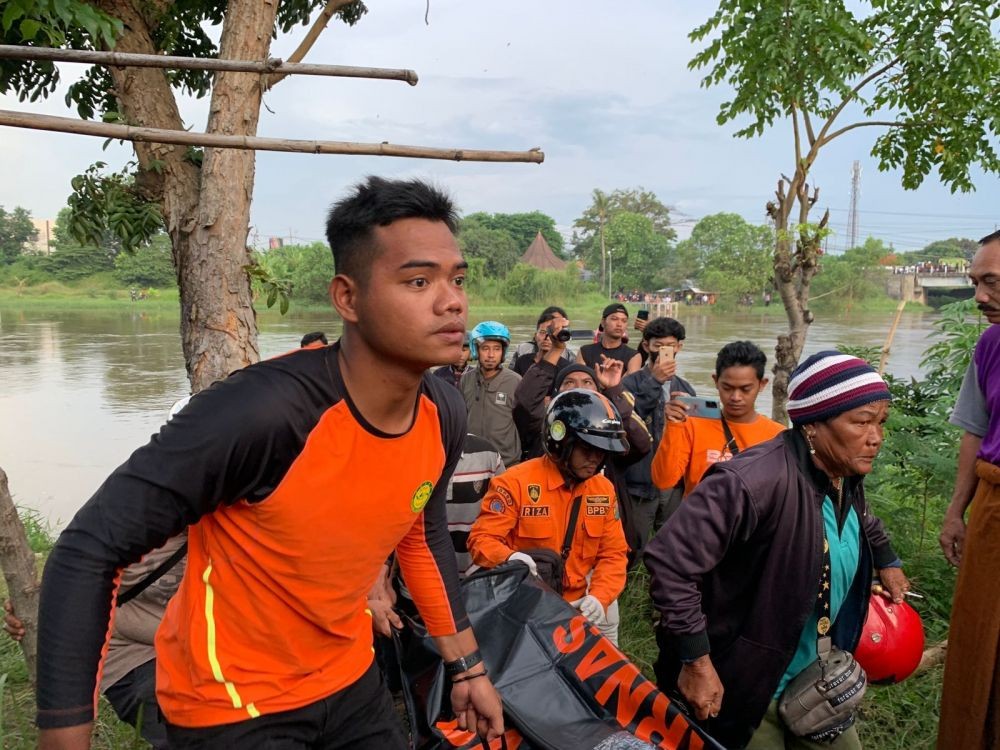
[{"x": 892, "y": 641}]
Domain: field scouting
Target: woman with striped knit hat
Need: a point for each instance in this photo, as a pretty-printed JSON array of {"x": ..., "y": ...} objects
[{"x": 771, "y": 552}]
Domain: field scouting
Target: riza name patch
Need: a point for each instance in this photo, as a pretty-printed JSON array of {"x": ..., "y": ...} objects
[{"x": 535, "y": 511}]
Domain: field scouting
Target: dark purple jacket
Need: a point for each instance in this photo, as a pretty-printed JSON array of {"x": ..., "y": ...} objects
[{"x": 735, "y": 573}]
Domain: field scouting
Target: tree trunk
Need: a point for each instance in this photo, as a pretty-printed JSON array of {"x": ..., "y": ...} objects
[
  {"x": 206, "y": 211},
  {"x": 795, "y": 263},
  {"x": 218, "y": 323},
  {"x": 604, "y": 259},
  {"x": 18, "y": 563}
]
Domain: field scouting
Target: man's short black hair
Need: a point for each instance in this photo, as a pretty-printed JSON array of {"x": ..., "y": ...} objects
[
  {"x": 992, "y": 236},
  {"x": 659, "y": 328},
  {"x": 741, "y": 354},
  {"x": 549, "y": 313},
  {"x": 309, "y": 338},
  {"x": 378, "y": 202}
]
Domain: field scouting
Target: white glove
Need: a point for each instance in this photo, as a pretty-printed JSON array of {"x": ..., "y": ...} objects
[
  {"x": 590, "y": 608},
  {"x": 526, "y": 559}
]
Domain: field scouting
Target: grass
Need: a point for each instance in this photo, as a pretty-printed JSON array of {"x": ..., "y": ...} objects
[{"x": 17, "y": 697}]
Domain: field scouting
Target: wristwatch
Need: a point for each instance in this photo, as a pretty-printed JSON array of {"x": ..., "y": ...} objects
[{"x": 462, "y": 664}]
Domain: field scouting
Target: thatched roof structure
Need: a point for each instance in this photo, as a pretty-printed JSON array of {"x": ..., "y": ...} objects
[{"x": 540, "y": 255}]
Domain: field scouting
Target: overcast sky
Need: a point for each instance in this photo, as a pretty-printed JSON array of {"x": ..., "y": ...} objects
[{"x": 603, "y": 89}]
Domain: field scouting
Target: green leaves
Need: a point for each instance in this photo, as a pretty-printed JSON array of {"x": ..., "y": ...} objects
[
  {"x": 109, "y": 204},
  {"x": 925, "y": 72},
  {"x": 271, "y": 287}
]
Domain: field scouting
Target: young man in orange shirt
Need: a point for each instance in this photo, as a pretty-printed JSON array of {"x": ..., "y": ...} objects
[
  {"x": 690, "y": 444},
  {"x": 279, "y": 473},
  {"x": 531, "y": 506}
]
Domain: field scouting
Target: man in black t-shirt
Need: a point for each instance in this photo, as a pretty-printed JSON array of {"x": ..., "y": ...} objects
[{"x": 614, "y": 323}]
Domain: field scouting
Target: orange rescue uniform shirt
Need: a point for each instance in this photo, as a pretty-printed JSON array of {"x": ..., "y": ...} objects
[
  {"x": 528, "y": 507},
  {"x": 688, "y": 448},
  {"x": 272, "y": 614}
]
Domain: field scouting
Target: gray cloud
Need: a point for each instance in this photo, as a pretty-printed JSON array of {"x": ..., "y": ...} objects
[{"x": 604, "y": 90}]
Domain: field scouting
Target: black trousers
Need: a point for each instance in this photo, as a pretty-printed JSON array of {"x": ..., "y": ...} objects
[
  {"x": 360, "y": 717},
  {"x": 133, "y": 698}
]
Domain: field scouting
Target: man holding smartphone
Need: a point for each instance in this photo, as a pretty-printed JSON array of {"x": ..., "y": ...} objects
[
  {"x": 651, "y": 388},
  {"x": 691, "y": 443}
]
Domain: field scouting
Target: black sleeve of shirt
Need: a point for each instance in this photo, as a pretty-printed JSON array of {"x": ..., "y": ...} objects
[
  {"x": 454, "y": 426},
  {"x": 232, "y": 441},
  {"x": 529, "y": 400}
]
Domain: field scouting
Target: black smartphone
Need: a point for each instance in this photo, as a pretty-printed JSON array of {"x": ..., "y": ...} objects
[{"x": 642, "y": 315}]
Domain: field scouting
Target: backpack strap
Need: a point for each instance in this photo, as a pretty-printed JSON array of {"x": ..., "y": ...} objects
[
  {"x": 731, "y": 445},
  {"x": 574, "y": 514},
  {"x": 161, "y": 570}
]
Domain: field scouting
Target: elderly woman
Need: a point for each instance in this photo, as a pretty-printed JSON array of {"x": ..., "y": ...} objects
[{"x": 739, "y": 574}]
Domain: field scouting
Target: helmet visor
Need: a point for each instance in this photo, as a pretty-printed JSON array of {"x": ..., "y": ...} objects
[{"x": 612, "y": 442}]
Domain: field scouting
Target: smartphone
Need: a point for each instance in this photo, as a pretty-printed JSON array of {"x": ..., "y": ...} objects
[
  {"x": 642, "y": 315},
  {"x": 706, "y": 408}
]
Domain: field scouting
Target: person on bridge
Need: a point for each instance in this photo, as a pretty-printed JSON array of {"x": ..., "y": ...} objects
[
  {"x": 970, "y": 701},
  {"x": 268, "y": 641}
]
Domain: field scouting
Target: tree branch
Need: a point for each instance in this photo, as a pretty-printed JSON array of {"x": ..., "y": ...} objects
[
  {"x": 798, "y": 137},
  {"x": 255, "y": 143},
  {"x": 809, "y": 128},
  {"x": 851, "y": 97},
  {"x": 310, "y": 39},
  {"x": 867, "y": 124}
]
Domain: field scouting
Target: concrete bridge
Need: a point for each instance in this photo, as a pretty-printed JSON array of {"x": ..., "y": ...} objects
[{"x": 919, "y": 287}]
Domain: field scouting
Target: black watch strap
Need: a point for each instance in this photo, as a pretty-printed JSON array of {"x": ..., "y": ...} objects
[{"x": 462, "y": 664}]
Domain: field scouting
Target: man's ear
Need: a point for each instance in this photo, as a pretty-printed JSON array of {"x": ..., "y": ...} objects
[
  {"x": 715, "y": 379},
  {"x": 764, "y": 382},
  {"x": 678, "y": 347},
  {"x": 344, "y": 294}
]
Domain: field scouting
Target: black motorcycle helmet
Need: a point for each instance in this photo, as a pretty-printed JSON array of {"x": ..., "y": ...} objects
[{"x": 579, "y": 414}]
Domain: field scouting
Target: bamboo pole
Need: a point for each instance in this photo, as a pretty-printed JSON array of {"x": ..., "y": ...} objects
[
  {"x": 272, "y": 66},
  {"x": 310, "y": 39},
  {"x": 884, "y": 359},
  {"x": 255, "y": 143}
]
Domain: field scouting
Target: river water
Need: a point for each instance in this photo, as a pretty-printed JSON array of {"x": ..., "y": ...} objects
[{"x": 80, "y": 390}]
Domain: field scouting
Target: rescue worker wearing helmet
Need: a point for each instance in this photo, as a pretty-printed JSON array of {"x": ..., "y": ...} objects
[
  {"x": 489, "y": 390},
  {"x": 531, "y": 505}
]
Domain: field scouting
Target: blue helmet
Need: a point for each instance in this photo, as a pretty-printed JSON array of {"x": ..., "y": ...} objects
[{"x": 489, "y": 330}]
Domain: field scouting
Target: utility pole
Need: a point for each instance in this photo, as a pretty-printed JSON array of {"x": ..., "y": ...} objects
[{"x": 852, "y": 216}]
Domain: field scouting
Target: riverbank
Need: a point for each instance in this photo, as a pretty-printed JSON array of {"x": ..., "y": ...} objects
[{"x": 585, "y": 312}]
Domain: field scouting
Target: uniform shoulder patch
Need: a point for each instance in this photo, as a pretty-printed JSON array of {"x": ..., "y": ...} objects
[{"x": 505, "y": 494}]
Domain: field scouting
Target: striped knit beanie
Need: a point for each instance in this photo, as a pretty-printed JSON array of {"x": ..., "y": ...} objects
[{"x": 830, "y": 383}]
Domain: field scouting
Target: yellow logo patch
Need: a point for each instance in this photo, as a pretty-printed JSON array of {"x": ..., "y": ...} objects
[{"x": 420, "y": 496}]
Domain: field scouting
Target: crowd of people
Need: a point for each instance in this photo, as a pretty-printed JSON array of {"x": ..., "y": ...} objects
[{"x": 291, "y": 510}]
